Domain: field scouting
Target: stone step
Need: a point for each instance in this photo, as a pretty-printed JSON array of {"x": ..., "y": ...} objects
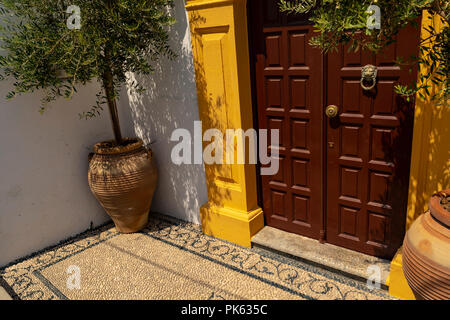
[
  {"x": 4, "y": 295},
  {"x": 327, "y": 256}
]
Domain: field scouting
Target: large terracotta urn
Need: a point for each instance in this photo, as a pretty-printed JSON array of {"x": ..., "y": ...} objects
[
  {"x": 426, "y": 251},
  {"x": 123, "y": 179}
]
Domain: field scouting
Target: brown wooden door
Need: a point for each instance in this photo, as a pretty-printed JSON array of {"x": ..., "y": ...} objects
[
  {"x": 289, "y": 94},
  {"x": 343, "y": 181}
]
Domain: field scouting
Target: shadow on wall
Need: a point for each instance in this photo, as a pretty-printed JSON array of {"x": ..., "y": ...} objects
[
  {"x": 439, "y": 153},
  {"x": 434, "y": 171},
  {"x": 169, "y": 102},
  {"x": 430, "y": 164}
]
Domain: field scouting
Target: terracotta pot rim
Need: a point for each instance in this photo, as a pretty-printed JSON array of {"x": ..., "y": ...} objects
[
  {"x": 437, "y": 211},
  {"x": 110, "y": 147}
]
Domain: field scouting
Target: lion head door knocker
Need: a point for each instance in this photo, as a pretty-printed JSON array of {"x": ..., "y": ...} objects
[{"x": 368, "y": 77}]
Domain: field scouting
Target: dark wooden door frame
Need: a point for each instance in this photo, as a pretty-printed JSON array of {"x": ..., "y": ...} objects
[{"x": 251, "y": 49}]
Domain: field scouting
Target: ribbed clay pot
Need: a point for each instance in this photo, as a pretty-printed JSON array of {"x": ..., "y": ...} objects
[
  {"x": 123, "y": 179},
  {"x": 426, "y": 253}
]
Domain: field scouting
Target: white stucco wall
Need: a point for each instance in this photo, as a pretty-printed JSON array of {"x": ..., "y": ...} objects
[
  {"x": 44, "y": 195},
  {"x": 170, "y": 102}
]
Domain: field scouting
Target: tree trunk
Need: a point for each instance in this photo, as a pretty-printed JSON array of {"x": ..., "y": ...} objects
[{"x": 108, "y": 85}]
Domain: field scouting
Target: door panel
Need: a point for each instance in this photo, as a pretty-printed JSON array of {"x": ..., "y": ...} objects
[
  {"x": 368, "y": 165},
  {"x": 289, "y": 97}
]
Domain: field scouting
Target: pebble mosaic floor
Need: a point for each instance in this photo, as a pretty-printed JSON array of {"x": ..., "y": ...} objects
[{"x": 171, "y": 259}]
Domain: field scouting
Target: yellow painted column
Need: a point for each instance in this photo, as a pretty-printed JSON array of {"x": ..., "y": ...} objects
[
  {"x": 221, "y": 59},
  {"x": 430, "y": 164}
]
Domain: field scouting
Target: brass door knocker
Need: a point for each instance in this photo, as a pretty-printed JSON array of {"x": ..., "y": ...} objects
[{"x": 369, "y": 75}]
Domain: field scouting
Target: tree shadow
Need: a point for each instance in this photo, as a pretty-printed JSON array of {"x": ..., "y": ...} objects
[
  {"x": 421, "y": 164},
  {"x": 397, "y": 152},
  {"x": 169, "y": 102},
  {"x": 430, "y": 166},
  {"x": 432, "y": 170},
  {"x": 215, "y": 112}
]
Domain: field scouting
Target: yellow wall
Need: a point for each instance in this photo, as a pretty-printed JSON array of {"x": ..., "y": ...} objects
[{"x": 430, "y": 164}]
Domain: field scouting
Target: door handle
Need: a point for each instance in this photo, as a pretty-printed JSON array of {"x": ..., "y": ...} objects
[{"x": 332, "y": 111}]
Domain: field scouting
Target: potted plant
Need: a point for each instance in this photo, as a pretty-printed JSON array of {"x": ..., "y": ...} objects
[
  {"x": 427, "y": 250},
  {"x": 60, "y": 45}
]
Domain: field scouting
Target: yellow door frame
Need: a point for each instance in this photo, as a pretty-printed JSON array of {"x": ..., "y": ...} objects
[{"x": 222, "y": 69}]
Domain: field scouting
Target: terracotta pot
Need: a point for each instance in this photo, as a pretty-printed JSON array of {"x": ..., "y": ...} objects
[
  {"x": 123, "y": 179},
  {"x": 426, "y": 253}
]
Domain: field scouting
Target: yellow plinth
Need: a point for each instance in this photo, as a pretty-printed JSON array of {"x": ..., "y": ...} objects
[
  {"x": 221, "y": 61},
  {"x": 232, "y": 225},
  {"x": 398, "y": 286}
]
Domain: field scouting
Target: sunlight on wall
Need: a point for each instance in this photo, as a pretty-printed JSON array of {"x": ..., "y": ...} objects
[
  {"x": 169, "y": 102},
  {"x": 430, "y": 162}
]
